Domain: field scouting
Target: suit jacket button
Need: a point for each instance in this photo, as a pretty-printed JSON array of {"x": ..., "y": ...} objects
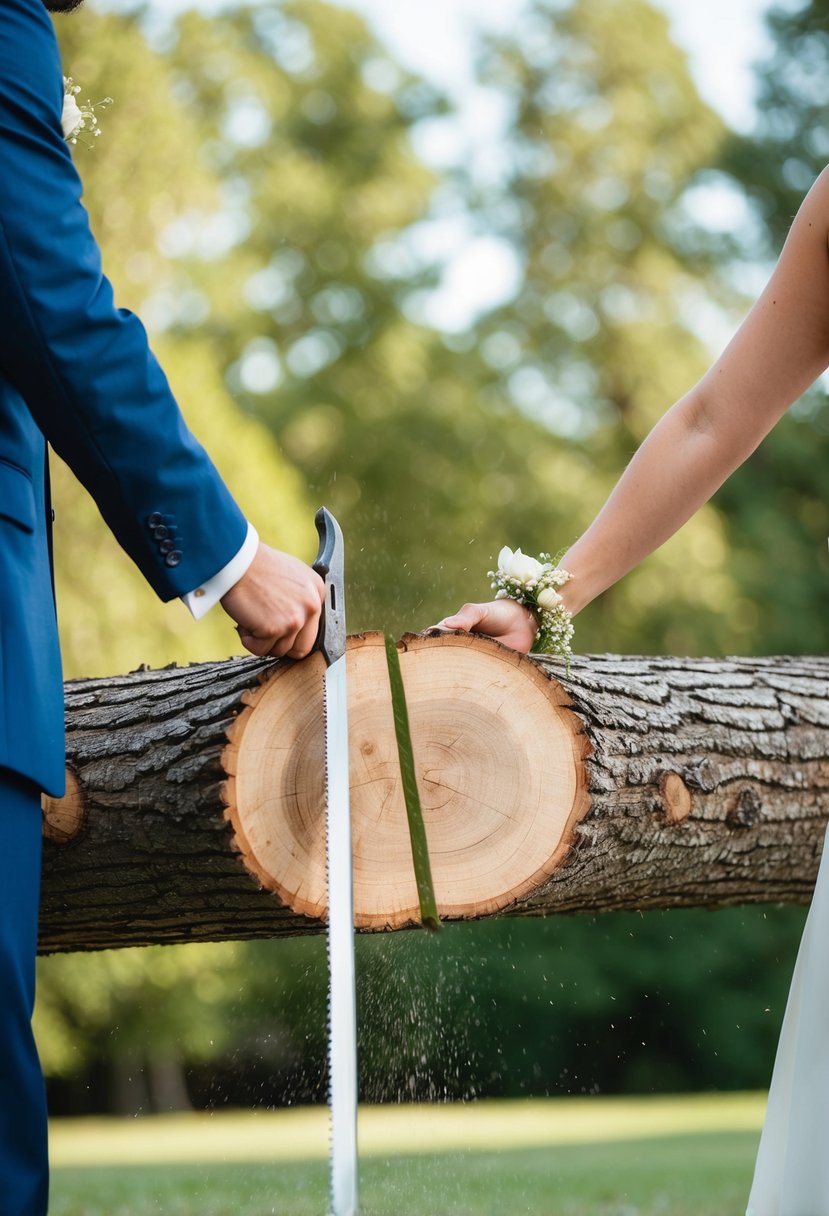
[
  {"x": 161, "y": 532},
  {"x": 154, "y": 520},
  {"x": 174, "y": 557},
  {"x": 167, "y": 546}
]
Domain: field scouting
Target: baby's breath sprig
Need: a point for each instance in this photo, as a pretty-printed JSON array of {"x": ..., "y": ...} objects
[
  {"x": 79, "y": 120},
  {"x": 534, "y": 582}
]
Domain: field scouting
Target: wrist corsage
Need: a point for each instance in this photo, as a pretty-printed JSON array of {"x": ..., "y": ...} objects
[{"x": 534, "y": 582}]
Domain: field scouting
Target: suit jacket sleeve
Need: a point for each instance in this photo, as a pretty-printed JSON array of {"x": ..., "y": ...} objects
[{"x": 82, "y": 365}]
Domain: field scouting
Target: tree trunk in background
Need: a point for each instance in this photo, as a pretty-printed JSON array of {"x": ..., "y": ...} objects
[{"x": 196, "y": 808}]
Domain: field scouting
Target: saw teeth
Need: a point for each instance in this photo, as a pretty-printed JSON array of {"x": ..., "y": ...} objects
[{"x": 342, "y": 1064}]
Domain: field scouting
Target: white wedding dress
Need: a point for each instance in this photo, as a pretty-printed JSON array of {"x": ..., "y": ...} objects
[{"x": 791, "y": 1177}]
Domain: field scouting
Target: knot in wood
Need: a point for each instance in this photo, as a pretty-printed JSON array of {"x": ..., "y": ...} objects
[
  {"x": 746, "y": 809},
  {"x": 676, "y": 797},
  {"x": 63, "y": 818}
]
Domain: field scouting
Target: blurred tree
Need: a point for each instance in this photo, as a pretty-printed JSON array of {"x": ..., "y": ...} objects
[
  {"x": 290, "y": 252},
  {"x": 267, "y": 237},
  {"x": 624, "y": 1003},
  {"x": 136, "y": 196},
  {"x": 244, "y": 1021},
  {"x": 278, "y": 227},
  {"x": 608, "y": 139},
  {"x": 144, "y": 1012},
  {"x": 140, "y": 1011},
  {"x": 125, "y": 624},
  {"x": 779, "y": 160},
  {"x": 776, "y": 506},
  {"x": 435, "y": 451}
]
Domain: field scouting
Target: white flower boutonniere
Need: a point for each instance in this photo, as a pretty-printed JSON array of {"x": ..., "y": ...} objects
[{"x": 79, "y": 120}]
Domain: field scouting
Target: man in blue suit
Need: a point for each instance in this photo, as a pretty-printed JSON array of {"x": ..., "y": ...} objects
[{"x": 77, "y": 372}]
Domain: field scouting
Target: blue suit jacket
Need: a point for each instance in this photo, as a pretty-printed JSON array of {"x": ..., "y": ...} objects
[{"x": 77, "y": 372}]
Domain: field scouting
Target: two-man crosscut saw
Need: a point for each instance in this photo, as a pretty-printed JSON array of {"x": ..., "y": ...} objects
[{"x": 342, "y": 1011}]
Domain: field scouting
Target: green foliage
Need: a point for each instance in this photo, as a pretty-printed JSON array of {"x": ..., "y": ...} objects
[
  {"x": 99, "y": 1006},
  {"x": 128, "y": 625},
  {"x": 777, "y": 163},
  {"x": 168, "y": 187},
  {"x": 269, "y": 217},
  {"x": 622, "y": 1003},
  {"x": 264, "y": 233},
  {"x": 776, "y": 506},
  {"x": 608, "y": 137},
  {"x": 434, "y": 452}
]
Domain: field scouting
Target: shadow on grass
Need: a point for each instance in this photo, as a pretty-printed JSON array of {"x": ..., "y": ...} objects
[{"x": 689, "y": 1175}]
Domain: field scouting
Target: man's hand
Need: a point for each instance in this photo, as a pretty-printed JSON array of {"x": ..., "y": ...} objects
[
  {"x": 276, "y": 605},
  {"x": 506, "y": 620}
]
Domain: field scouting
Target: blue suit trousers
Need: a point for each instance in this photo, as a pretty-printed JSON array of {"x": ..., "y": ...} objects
[{"x": 24, "y": 1171}]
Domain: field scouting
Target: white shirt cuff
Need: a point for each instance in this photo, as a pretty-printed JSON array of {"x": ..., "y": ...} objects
[{"x": 201, "y": 599}]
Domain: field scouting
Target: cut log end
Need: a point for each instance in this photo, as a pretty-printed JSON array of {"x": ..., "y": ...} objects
[{"x": 500, "y": 767}]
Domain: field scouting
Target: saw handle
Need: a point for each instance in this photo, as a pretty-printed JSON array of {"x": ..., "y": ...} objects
[{"x": 329, "y": 564}]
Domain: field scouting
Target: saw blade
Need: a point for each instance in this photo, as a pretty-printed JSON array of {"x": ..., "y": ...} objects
[{"x": 342, "y": 1004}]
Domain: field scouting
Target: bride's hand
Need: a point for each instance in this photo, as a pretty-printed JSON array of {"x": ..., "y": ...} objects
[{"x": 507, "y": 620}]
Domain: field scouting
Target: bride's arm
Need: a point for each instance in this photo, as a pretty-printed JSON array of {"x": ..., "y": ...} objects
[{"x": 778, "y": 351}]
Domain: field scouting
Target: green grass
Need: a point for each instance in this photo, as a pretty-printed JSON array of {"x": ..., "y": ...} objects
[{"x": 566, "y": 1157}]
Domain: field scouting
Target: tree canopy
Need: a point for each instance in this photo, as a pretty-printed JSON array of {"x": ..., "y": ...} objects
[{"x": 258, "y": 195}]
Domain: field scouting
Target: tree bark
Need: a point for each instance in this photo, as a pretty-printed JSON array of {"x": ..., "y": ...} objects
[
  {"x": 197, "y": 803},
  {"x": 708, "y": 783}
]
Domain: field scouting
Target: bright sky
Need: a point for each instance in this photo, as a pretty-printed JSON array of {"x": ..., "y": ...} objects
[
  {"x": 437, "y": 38},
  {"x": 722, "y": 38}
]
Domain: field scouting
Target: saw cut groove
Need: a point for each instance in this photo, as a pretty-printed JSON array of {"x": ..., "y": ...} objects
[
  {"x": 429, "y": 917},
  {"x": 499, "y": 763}
]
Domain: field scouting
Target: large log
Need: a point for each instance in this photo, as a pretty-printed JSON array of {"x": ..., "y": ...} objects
[{"x": 196, "y": 803}]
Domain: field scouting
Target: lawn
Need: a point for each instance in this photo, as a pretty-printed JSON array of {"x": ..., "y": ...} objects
[{"x": 689, "y": 1156}]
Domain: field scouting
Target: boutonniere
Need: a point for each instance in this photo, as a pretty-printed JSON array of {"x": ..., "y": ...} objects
[{"x": 79, "y": 120}]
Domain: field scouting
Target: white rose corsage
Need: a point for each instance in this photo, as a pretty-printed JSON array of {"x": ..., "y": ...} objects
[
  {"x": 534, "y": 582},
  {"x": 79, "y": 120}
]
